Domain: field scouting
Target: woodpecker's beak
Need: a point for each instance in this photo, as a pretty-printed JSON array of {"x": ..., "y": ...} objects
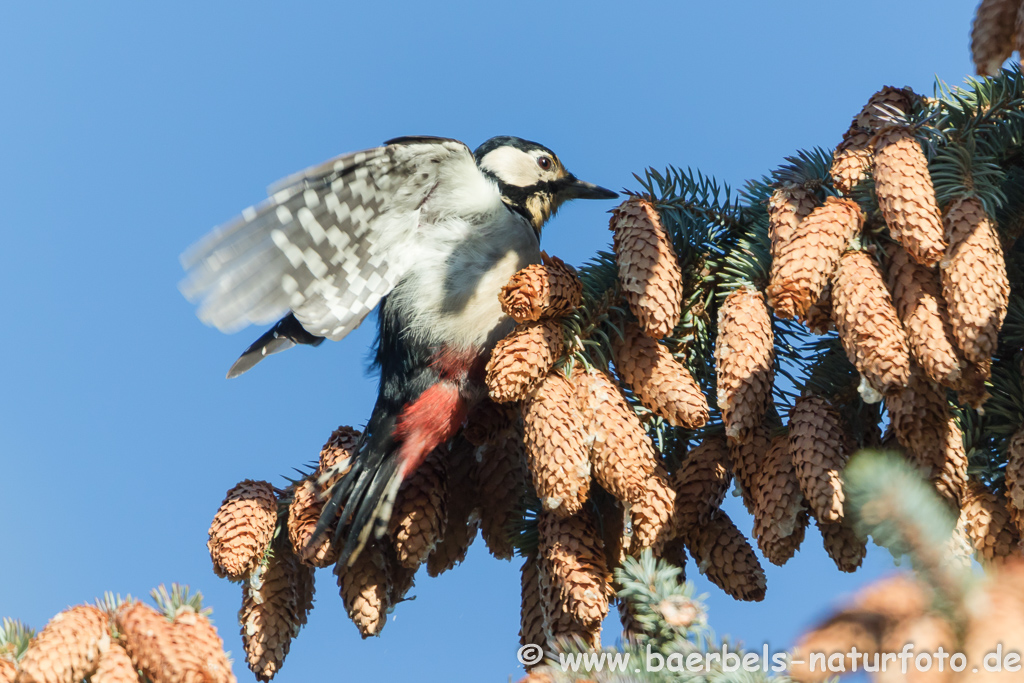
[{"x": 578, "y": 189}]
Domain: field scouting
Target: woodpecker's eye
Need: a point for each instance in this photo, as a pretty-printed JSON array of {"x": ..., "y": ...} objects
[{"x": 544, "y": 162}]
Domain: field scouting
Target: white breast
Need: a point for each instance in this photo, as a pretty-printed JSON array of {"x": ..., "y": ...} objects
[{"x": 450, "y": 294}]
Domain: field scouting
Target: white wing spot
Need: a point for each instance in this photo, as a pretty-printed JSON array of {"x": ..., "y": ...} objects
[
  {"x": 284, "y": 215},
  {"x": 312, "y": 198},
  {"x": 308, "y": 221},
  {"x": 291, "y": 252},
  {"x": 249, "y": 214},
  {"x": 289, "y": 284},
  {"x": 315, "y": 264},
  {"x": 283, "y": 195},
  {"x": 342, "y": 213},
  {"x": 339, "y": 241}
]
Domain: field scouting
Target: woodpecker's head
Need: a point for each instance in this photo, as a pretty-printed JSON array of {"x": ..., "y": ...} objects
[{"x": 531, "y": 179}]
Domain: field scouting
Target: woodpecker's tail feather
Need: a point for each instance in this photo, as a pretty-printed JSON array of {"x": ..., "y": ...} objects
[
  {"x": 395, "y": 443},
  {"x": 284, "y": 335},
  {"x": 372, "y": 509},
  {"x": 393, "y": 446}
]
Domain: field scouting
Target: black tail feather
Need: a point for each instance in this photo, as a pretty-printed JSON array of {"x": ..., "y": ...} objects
[
  {"x": 372, "y": 503},
  {"x": 284, "y": 335},
  {"x": 365, "y": 496},
  {"x": 360, "y": 493}
]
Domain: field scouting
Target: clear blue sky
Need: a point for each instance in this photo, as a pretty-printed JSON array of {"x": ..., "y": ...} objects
[{"x": 129, "y": 130}]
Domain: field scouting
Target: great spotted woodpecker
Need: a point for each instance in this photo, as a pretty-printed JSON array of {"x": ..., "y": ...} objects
[{"x": 421, "y": 222}]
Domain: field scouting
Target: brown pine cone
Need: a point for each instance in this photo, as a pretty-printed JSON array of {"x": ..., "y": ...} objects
[
  {"x": 65, "y": 651},
  {"x": 547, "y": 290},
  {"x": 988, "y": 524},
  {"x": 521, "y": 361},
  {"x": 728, "y": 561},
  {"x": 971, "y": 389},
  {"x": 877, "y": 113},
  {"x": 149, "y": 638},
  {"x": 906, "y": 196},
  {"x": 303, "y": 515},
  {"x": 992, "y": 35},
  {"x": 560, "y": 625},
  {"x": 748, "y": 461},
  {"x": 974, "y": 281},
  {"x": 922, "y": 423},
  {"x": 662, "y": 384},
  {"x": 780, "y": 511},
  {"x": 631, "y": 628},
  {"x": 571, "y": 555},
  {"x": 502, "y": 484},
  {"x": 818, "y": 318},
  {"x": 462, "y": 519},
  {"x": 242, "y": 528},
  {"x": 701, "y": 483},
  {"x": 674, "y": 552},
  {"x": 621, "y": 454},
  {"x": 366, "y": 589},
  {"x": 420, "y": 511},
  {"x": 649, "y": 273},
  {"x": 868, "y": 326},
  {"x": 556, "y": 449},
  {"x": 819, "y": 446},
  {"x": 843, "y": 545},
  {"x": 193, "y": 631},
  {"x": 274, "y": 609},
  {"x": 114, "y": 666},
  {"x": 950, "y": 475},
  {"x": 918, "y": 416},
  {"x": 531, "y": 624},
  {"x": 1015, "y": 479},
  {"x": 8, "y": 671},
  {"x": 787, "y": 206},
  {"x": 806, "y": 262},
  {"x": 917, "y": 294},
  {"x": 851, "y": 162},
  {"x": 489, "y": 422},
  {"x": 340, "y": 447},
  {"x": 652, "y": 518},
  {"x": 744, "y": 362}
]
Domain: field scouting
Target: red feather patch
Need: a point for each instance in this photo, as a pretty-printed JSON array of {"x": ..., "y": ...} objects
[{"x": 426, "y": 423}]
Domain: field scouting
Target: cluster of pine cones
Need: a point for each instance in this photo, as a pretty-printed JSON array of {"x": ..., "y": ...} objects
[
  {"x": 915, "y": 317},
  {"x": 917, "y": 305},
  {"x": 580, "y": 429},
  {"x": 997, "y": 33},
  {"x": 116, "y": 641}
]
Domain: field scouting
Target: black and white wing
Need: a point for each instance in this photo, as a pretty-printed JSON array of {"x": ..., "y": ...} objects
[{"x": 327, "y": 245}]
